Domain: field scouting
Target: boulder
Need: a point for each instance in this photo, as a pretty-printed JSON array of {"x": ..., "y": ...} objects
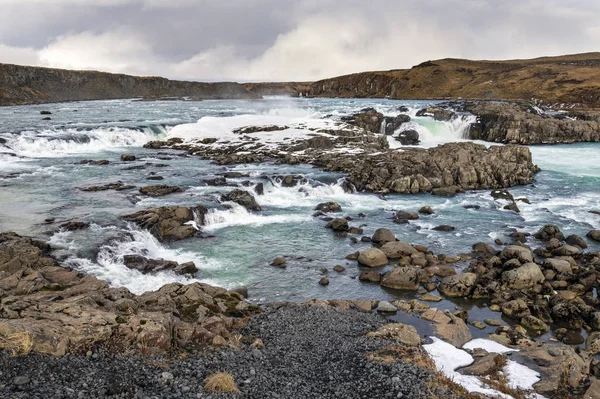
[
  {"x": 594, "y": 235},
  {"x": 444, "y": 227},
  {"x": 515, "y": 309},
  {"x": 408, "y": 137},
  {"x": 398, "y": 332},
  {"x": 460, "y": 285},
  {"x": 575, "y": 240},
  {"x": 383, "y": 236},
  {"x": 372, "y": 257},
  {"x": 558, "y": 265},
  {"x": 338, "y": 224},
  {"x": 402, "y": 278},
  {"x": 403, "y": 215},
  {"x": 522, "y": 277},
  {"x": 153, "y": 266},
  {"x": 548, "y": 232},
  {"x": 160, "y": 190},
  {"x": 170, "y": 223},
  {"x": 75, "y": 225},
  {"x": 127, "y": 157},
  {"x": 426, "y": 210},
  {"x": 592, "y": 344},
  {"x": 368, "y": 119},
  {"x": 372, "y": 277},
  {"x": 437, "y": 113},
  {"x": 484, "y": 365},
  {"x": 328, "y": 207},
  {"x": 456, "y": 332},
  {"x": 566, "y": 250},
  {"x": 398, "y": 249},
  {"x": 243, "y": 198},
  {"x": 534, "y": 324},
  {"x": 386, "y": 307},
  {"x": 522, "y": 254}
]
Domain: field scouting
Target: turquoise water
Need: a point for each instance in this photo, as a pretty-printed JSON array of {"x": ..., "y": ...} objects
[{"x": 38, "y": 180}]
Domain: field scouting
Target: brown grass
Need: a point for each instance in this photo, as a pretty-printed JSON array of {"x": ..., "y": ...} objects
[
  {"x": 18, "y": 343},
  {"x": 220, "y": 382}
]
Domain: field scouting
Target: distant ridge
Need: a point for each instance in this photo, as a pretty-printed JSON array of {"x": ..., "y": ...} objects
[
  {"x": 572, "y": 79},
  {"x": 21, "y": 85}
]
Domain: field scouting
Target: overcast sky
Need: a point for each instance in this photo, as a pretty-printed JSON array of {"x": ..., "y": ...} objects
[{"x": 271, "y": 40}]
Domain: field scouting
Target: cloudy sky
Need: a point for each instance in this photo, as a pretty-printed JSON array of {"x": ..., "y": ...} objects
[{"x": 270, "y": 40}]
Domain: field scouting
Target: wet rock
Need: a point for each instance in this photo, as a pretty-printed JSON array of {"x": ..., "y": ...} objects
[
  {"x": 548, "y": 232},
  {"x": 368, "y": 119},
  {"x": 574, "y": 239},
  {"x": 573, "y": 338},
  {"x": 386, "y": 307},
  {"x": 169, "y": 223},
  {"x": 393, "y": 123},
  {"x": 503, "y": 195},
  {"x": 594, "y": 235},
  {"x": 515, "y": 309},
  {"x": 153, "y": 178},
  {"x": 522, "y": 277},
  {"x": 512, "y": 207},
  {"x": 128, "y": 157},
  {"x": 100, "y": 162},
  {"x": 255, "y": 129},
  {"x": 372, "y": 257},
  {"x": 459, "y": 285},
  {"x": 444, "y": 227},
  {"x": 73, "y": 226},
  {"x": 328, "y": 207},
  {"x": 383, "y": 236},
  {"x": 118, "y": 186},
  {"x": 160, "y": 190},
  {"x": 408, "y": 137},
  {"x": 398, "y": 249},
  {"x": 324, "y": 281},
  {"x": 338, "y": 224},
  {"x": 45, "y": 113},
  {"x": 430, "y": 298},
  {"x": 449, "y": 191},
  {"x": 372, "y": 277},
  {"x": 279, "y": 262},
  {"x": 403, "y": 215},
  {"x": 438, "y": 114},
  {"x": 426, "y": 210},
  {"x": 243, "y": 198},
  {"x": 534, "y": 324},
  {"x": 339, "y": 268},
  {"x": 402, "y": 278},
  {"x": 153, "y": 266}
]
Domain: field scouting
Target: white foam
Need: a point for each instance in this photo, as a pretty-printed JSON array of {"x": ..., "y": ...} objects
[
  {"x": 238, "y": 216},
  {"x": 59, "y": 143},
  {"x": 433, "y": 133}
]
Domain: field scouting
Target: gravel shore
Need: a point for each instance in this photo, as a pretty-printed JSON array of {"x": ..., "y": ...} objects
[{"x": 309, "y": 352}]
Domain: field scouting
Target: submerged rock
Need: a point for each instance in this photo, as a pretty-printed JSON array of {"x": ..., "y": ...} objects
[
  {"x": 159, "y": 190},
  {"x": 243, "y": 198},
  {"x": 152, "y": 266}
]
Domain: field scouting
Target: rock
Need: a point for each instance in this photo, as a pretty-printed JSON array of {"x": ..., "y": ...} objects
[
  {"x": 534, "y": 324},
  {"x": 438, "y": 114},
  {"x": 573, "y": 338},
  {"x": 485, "y": 365},
  {"x": 100, "y": 162},
  {"x": 460, "y": 285},
  {"x": 444, "y": 227},
  {"x": 594, "y": 235},
  {"x": 152, "y": 266},
  {"x": 255, "y": 129},
  {"x": 548, "y": 232},
  {"x": 522, "y": 277},
  {"x": 398, "y": 332},
  {"x": 566, "y": 250},
  {"x": 515, "y": 309},
  {"x": 402, "y": 278},
  {"x": 503, "y": 195},
  {"x": 386, "y": 307},
  {"x": 279, "y": 262},
  {"x": 338, "y": 224},
  {"x": 512, "y": 207},
  {"x": 169, "y": 223},
  {"x": 118, "y": 186},
  {"x": 368, "y": 119},
  {"x": 483, "y": 247},
  {"x": 593, "y": 392},
  {"x": 259, "y": 189},
  {"x": 393, "y": 123},
  {"x": 324, "y": 281},
  {"x": 398, "y": 249},
  {"x": 127, "y": 157},
  {"x": 403, "y": 215},
  {"x": 372, "y": 277},
  {"x": 408, "y": 137},
  {"x": 372, "y": 257},
  {"x": 426, "y": 210},
  {"x": 328, "y": 207},
  {"x": 339, "y": 268},
  {"x": 522, "y": 254},
  {"x": 21, "y": 380},
  {"x": 592, "y": 344},
  {"x": 243, "y": 198},
  {"x": 243, "y": 291},
  {"x": 449, "y": 191},
  {"x": 455, "y": 332},
  {"x": 73, "y": 226},
  {"x": 160, "y": 190},
  {"x": 383, "y": 236},
  {"x": 574, "y": 239},
  {"x": 45, "y": 113},
  {"x": 559, "y": 265},
  {"x": 493, "y": 323},
  {"x": 430, "y": 298}
]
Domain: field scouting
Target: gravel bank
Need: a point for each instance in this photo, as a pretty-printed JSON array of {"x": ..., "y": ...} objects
[{"x": 310, "y": 352}]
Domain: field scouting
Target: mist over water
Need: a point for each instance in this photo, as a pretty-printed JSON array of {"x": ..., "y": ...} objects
[{"x": 40, "y": 178}]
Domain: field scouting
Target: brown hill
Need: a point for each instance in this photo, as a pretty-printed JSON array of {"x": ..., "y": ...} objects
[
  {"x": 573, "y": 79},
  {"x": 34, "y": 85},
  {"x": 278, "y": 88}
]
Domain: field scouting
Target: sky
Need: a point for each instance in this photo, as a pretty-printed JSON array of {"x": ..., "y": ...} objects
[{"x": 286, "y": 40}]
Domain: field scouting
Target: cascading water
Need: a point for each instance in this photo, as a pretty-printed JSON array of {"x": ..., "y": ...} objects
[{"x": 432, "y": 132}]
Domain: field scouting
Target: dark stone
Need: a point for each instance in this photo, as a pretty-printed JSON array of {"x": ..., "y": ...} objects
[{"x": 127, "y": 157}]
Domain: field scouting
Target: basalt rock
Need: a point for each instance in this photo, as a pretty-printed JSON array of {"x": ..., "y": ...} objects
[
  {"x": 169, "y": 223},
  {"x": 368, "y": 119},
  {"x": 61, "y": 310},
  {"x": 160, "y": 190},
  {"x": 393, "y": 123},
  {"x": 243, "y": 198},
  {"x": 328, "y": 207},
  {"x": 408, "y": 137},
  {"x": 338, "y": 224},
  {"x": 152, "y": 266}
]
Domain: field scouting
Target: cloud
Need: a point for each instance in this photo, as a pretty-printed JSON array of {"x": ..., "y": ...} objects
[{"x": 255, "y": 40}]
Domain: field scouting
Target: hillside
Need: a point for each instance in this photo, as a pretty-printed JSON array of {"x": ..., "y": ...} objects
[
  {"x": 563, "y": 79},
  {"x": 34, "y": 85},
  {"x": 278, "y": 88}
]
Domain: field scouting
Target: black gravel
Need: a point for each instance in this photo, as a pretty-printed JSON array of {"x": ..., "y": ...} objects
[{"x": 310, "y": 352}]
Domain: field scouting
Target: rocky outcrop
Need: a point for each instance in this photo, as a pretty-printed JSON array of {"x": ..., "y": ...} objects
[
  {"x": 152, "y": 266},
  {"x": 160, "y": 190},
  {"x": 169, "y": 223},
  {"x": 34, "y": 85},
  {"x": 243, "y": 198},
  {"x": 57, "y": 310},
  {"x": 517, "y": 124},
  {"x": 368, "y": 119}
]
